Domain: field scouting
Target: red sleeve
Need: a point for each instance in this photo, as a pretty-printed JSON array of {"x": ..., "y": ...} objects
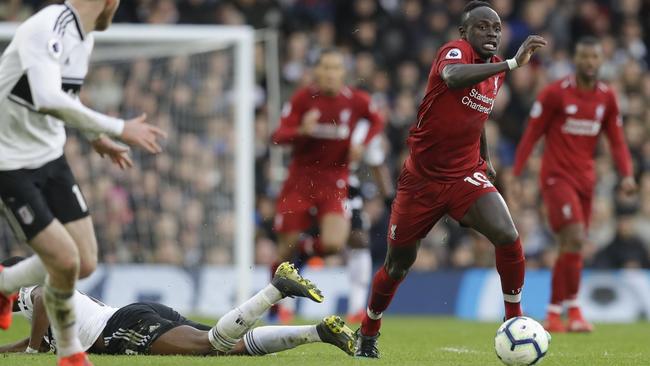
[
  {"x": 616, "y": 137},
  {"x": 292, "y": 112},
  {"x": 540, "y": 118},
  {"x": 372, "y": 115},
  {"x": 453, "y": 53}
]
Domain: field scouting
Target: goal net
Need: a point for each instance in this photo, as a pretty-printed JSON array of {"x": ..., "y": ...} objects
[{"x": 193, "y": 204}]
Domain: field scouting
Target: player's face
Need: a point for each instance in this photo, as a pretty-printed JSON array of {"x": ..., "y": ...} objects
[
  {"x": 588, "y": 59},
  {"x": 330, "y": 72},
  {"x": 483, "y": 31},
  {"x": 105, "y": 19}
]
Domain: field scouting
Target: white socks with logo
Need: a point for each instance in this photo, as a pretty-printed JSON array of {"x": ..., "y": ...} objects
[
  {"x": 265, "y": 340},
  {"x": 59, "y": 305},
  {"x": 232, "y": 326}
]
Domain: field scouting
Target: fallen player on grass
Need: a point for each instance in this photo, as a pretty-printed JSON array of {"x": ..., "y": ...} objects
[{"x": 155, "y": 329}]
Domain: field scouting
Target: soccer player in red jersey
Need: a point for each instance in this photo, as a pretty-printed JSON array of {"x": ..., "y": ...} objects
[
  {"x": 317, "y": 123},
  {"x": 570, "y": 113},
  {"x": 448, "y": 167}
]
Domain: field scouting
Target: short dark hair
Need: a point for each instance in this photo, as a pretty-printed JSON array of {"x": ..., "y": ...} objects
[
  {"x": 588, "y": 41},
  {"x": 327, "y": 51},
  {"x": 474, "y": 4},
  {"x": 11, "y": 261}
]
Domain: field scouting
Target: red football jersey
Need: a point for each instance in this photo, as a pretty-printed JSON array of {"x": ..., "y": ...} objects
[
  {"x": 328, "y": 151},
  {"x": 571, "y": 119},
  {"x": 445, "y": 142}
]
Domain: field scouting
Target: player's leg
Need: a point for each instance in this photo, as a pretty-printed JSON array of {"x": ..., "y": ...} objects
[
  {"x": 333, "y": 218},
  {"x": 334, "y": 232},
  {"x": 188, "y": 340},
  {"x": 359, "y": 267},
  {"x": 65, "y": 199},
  {"x": 416, "y": 209},
  {"x": 271, "y": 339},
  {"x": 292, "y": 217},
  {"x": 489, "y": 216},
  {"x": 571, "y": 244},
  {"x": 566, "y": 214},
  {"x": 286, "y": 282},
  {"x": 571, "y": 239},
  {"x": 22, "y": 204},
  {"x": 59, "y": 253},
  {"x": 83, "y": 234}
]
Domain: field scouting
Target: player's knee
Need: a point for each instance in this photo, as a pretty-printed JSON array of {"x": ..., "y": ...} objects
[
  {"x": 66, "y": 267},
  {"x": 505, "y": 235},
  {"x": 333, "y": 245},
  {"x": 573, "y": 243},
  {"x": 87, "y": 267},
  {"x": 398, "y": 268},
  {"x": 358, "y": 240}
]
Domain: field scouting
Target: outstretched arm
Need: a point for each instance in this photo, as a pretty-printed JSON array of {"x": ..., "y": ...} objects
[
  {"x": 460, "y": 75},
  {"x": 40, "y": 323},
  {"x": 40, "y": 49},
  {"x": 541, "y": 114},
  {"x": 620, "y": 151},
  {"x": 19, "y": 346}
]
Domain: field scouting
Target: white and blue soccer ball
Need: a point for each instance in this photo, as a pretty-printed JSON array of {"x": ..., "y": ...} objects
[{"x": 521, "y": 341}]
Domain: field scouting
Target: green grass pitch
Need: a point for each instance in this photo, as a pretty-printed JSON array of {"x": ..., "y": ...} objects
[{"x": 408, "y": 341}]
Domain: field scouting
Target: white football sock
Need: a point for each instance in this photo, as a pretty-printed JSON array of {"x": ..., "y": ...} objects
[
  {"x": 26, "y": 273},
  {"x": 359, "y": 272},
  {"x": 232, "y": 326},
  {"x": 271, "y": 339},
  {"x": 59, "y": 305}
]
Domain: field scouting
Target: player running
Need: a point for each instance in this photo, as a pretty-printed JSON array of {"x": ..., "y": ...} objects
[
  {"x": 317, "y": 123},
  {"x": 155, "y": 329},
  {"x": 448, "y": 167},
  {"x": 570, "y": 114},
  {"x": 41, "y": 73}
]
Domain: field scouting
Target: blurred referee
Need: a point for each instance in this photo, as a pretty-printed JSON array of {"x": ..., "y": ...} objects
[{"x": 41, "y": 73}]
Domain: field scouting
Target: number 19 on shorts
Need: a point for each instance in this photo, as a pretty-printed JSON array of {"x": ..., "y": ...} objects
[{"x": 478, "y": 179}]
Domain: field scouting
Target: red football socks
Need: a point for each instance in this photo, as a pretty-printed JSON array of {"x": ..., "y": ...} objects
[
  {"x": 511, "y": 267},
  {"x": 558, "y": 288},
  {"x": 382, "y": 292},
  {"x": 572, "y": 269}
]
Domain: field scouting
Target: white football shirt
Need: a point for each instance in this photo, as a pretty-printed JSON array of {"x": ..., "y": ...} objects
[
  {"x": 92, "y": 315},
  {"x": 42, "y": 70}
]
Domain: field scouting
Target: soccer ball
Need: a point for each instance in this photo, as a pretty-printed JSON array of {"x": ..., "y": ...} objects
[{"x": 521, "y": 341}]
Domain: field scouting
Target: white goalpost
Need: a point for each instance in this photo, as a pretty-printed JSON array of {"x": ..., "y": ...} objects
[{"x": 128, "y": 42}]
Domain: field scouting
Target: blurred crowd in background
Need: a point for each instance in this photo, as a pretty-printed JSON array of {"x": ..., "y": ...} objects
[{"x": 177, "y": 208}]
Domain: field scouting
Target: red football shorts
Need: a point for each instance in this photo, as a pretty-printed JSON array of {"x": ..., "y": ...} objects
[
  {"x": 420, "y": 203},
  {"x": 564, "y": 205},
  {"x": 306, "y": 197}
]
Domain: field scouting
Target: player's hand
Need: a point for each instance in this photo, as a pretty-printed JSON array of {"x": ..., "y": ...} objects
[
  {"x": 628, "y": 186},
  {"x": 309, "y": 122},
  {"x": 118, "y": 153},
  {"x": 139, "y": 133},
  {"x": 526, "y": 50},
  {"x": 491, "y": 172}
]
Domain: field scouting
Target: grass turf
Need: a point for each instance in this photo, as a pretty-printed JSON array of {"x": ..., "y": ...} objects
[{"x": 407, "y": 341}]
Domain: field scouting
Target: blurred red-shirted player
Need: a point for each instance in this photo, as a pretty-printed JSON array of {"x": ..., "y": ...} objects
[
  {"x": 317, "y": 123},
  {"x": 448, "y": 166},
  {"x": 571, "y": 113}
]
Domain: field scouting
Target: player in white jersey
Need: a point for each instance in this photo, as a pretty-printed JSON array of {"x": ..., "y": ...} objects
[
  {"x": 41, "y": 71},
  {"x": 155, "y": 329}
]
